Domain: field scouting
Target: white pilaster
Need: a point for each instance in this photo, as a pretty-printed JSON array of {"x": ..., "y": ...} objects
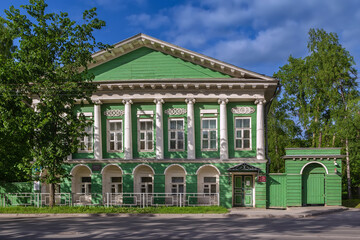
[
  {"x": 190, "y": 128},
  {"x": 97, "y": 130},
  {"x": 159, "y": 129},
  {"x": 127, "y": 130},
  {"x": 224, "y": 152},
  {"x": 260, "y": 140}
]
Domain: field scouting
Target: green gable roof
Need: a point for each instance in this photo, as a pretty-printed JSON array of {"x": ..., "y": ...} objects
[{"x": 146, "y": 63}]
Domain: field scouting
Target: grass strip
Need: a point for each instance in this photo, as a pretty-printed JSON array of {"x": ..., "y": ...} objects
[
  {"x": 351, "y": 203},
  {"x": 101, "y": 209}
]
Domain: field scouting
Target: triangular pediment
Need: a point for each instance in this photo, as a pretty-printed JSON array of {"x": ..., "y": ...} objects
[
  {"x": 147, "y": 63},
  {"x": 244, "y": 167},
  {"x": 145, "y": 57}
]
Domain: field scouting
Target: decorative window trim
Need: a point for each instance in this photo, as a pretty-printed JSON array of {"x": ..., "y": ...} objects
[
  {"x": 201, "y": 132},
  {"x": 175, "y": 130},
  {"x": 235, "y": 129},
  {"x": 114, "y": 113},
  {"x": 149, "y": 113},
  {"x": 86, "y": 114},
  {"x": 108, "y": 135},
  {"x": 208, "y": 111},
  {"x": 175, "y": 111},
  {"x": 139, "y": 132},
  {"x": 243, "y": 110}
]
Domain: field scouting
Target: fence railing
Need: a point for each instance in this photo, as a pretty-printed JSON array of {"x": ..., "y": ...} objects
[{"x": 111, "y": 199}]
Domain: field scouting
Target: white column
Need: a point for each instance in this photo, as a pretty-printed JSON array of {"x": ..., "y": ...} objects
[
  {"x": 127, "y": 130},
  {"x": 97, "y": 130},
  {"x": 224, "y": 152},
  {"x": 159, "y": 129},
  {"x": 190, "y": 128},
  {"x": 260, "y": 140}
]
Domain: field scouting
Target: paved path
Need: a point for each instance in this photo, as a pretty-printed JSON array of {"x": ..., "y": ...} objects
[{"x": 340, "y": 225}]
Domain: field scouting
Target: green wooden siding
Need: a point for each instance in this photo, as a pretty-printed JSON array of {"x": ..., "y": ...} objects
[
  {"x": 225, "y": 182},
  {"x": 313, "y": 151},
  {"x": 276, "y": 193},
  {"x": 231, "y": 130},
  {"x": 293, "y": 190},
  {"x": 146, "y": 63}
]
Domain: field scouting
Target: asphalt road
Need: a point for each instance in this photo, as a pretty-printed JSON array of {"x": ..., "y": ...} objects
[{"x": 343, "y": 225}]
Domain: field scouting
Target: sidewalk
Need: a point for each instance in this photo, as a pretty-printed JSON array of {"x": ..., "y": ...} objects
[{"x": 291, "y": 212}]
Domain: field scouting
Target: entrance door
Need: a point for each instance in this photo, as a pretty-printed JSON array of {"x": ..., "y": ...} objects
[
  {"x": 314, "y": 188},
  {"x": 243, "y": 191}
]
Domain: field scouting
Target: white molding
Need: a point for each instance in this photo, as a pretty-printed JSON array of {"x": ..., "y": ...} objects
[
  {"x": 108, "y": 121},
  {"x": 175, "y": 164},
  {"x": 80, "y": 165},
  {"x": 113, "y": 164},
  {"x": 114, "y": 113},
  {"x": 145, "y": 112},
  {"x": 175, "y": 111},
  {"x": 208, "y": 165},
  {"x": 243, "y": 110},
  {"x": 208, "y": 111},
  {"x": 143, "y": 164},
  {"x": 86, "y": 114},
  {"x": 302, "y": 169}
]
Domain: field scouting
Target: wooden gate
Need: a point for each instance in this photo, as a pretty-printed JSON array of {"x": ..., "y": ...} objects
[{"x": 313, "y": 185}]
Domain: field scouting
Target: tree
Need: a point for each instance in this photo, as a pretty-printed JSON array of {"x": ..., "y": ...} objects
[
  {"x": 45, "y": 71},
  {"x": 14, "y": 135},
  {"x": 319, "y": 89}
]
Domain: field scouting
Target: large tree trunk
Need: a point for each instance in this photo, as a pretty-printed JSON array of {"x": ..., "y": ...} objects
[
  {"x": 52, "y": 195},
  {"x": 348, "y": 169}
]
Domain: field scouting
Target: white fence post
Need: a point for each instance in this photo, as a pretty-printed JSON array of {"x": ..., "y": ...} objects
[{"x": 107, "y": 199}]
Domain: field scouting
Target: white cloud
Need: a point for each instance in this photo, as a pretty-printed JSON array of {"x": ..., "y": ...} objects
[{"x": 254, "y": 32}]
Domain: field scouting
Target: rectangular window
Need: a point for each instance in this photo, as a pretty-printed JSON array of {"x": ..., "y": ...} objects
[
  {"x": 114, "y": 136},
  {"x": 176, "y": 135},
  {"x": 209, "y": 185},
  {"x": 146, "y": 139},
  {"x": 177, "y": 185},
  {"x": 86, "y": 142},
  {"x": 242, "y": 133},
  {"x": 86, "y": 185},
  {"x": 209, "y": 134},
  {"x": 116, "y": 186}
]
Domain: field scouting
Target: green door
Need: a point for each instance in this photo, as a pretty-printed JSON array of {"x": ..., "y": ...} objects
[
  {"x": 314, "y": 188},
  {"x": 243, "y": 191},
  {"x": 238, "y": 191}
]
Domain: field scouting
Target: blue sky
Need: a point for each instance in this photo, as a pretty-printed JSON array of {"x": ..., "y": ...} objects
[{"x": 258, "y": 35}]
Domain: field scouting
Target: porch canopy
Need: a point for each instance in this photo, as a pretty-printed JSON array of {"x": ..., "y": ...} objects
[{"x": 244, "y": 167}]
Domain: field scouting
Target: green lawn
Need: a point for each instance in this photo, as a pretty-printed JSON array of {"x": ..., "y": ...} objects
[
  {"x": 351, "y": 203},
  {"x": 98, "y": 210}
]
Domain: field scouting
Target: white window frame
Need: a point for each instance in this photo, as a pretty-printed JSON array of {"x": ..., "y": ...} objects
[
  {"x": 86, "y": 186},
  {"x": 85, "y": 139},
  {"x": 209, "y": 185},
  {"x": 242, "y": 133},
  {"x": 145, "y": 131},
  {"x": 176, "y": 185},
  {"x": 108, "y": 135},
  {"x": 116, "y": 185},
  {"x": 176, "y": 135},
  {"x": 209, "y": 129}
]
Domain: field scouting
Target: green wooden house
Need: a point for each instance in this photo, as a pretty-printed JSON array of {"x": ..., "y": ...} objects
[{"x": 175, "y": 127}]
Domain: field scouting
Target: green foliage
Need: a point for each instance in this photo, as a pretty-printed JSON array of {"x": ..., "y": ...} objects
[
  {"x": 351, "y": 203},
  {"x": 320, "y": 93},
  {"x": 116, "y": 210},
  {"x": 46, "y": 74}
]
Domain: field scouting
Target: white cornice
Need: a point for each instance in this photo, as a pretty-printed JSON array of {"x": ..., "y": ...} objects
[{"x": 142, "y": 40}]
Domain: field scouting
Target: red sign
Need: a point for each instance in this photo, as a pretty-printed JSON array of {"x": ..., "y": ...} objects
[{"x": 261, "y": 178}]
